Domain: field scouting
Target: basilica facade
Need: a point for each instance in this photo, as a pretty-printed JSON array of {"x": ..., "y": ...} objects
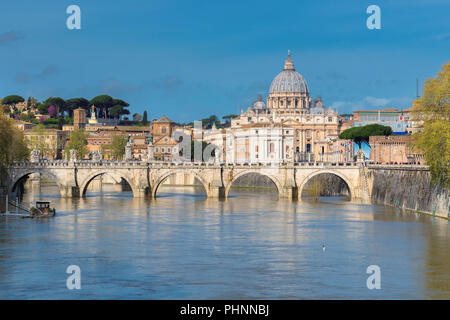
[{"x": 290, "y": 126}]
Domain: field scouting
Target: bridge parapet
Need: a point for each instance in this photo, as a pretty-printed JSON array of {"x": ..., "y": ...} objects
[
  {"x": 217, "y": 178},
  {"x": 398, "y": 167}
]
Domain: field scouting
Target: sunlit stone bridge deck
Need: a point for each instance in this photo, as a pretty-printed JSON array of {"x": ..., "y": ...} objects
[{"x": 144, "y": 178}]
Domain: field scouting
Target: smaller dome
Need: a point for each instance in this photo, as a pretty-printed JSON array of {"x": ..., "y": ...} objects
[
  {"x": 259, "y": 104},
  {"x": 319, "y": 103}
]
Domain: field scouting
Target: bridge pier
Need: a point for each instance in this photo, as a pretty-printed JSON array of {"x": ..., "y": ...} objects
[
  {"x": 217, "y": 193},
  {"x": 142, "y": 192},
  {"x": 70, "y": 191},
  {"x": 288, "y": 193}
]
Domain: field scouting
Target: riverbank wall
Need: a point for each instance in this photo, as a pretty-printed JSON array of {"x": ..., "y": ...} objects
[{"x": 408, "y": 188}]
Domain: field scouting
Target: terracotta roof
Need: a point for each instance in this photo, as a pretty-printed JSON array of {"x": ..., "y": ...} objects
[{"x": 164, "y": 119}]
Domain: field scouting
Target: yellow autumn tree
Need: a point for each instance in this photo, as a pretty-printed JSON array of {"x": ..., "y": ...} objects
[
  {"x": 12, "y": 146},
  {"x": 432, "y": 110}
]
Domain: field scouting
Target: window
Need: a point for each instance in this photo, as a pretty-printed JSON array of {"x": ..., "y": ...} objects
[
  {"x": 168, "y": 149},
  {"x": 271, "y": 147},
  {"x": 163, "y": 130},
  {"x": 157, "y": 149},
  {"x": 330, "y": 119}
]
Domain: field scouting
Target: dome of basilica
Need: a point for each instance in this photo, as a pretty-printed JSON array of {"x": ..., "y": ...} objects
[{"x": 289, "y": 80}]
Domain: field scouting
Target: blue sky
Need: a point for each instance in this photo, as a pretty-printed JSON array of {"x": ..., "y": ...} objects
[{"x": 191, "y": 59}]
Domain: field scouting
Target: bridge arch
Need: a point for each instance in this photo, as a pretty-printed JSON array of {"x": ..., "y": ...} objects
[
  {"x": 164, "y": 176},
  {"x": 117, "y": 176},
  {"x": 347, "y": 181},
  {"x": 243, "y": 173},
  {"x": 18, "y": 177}
]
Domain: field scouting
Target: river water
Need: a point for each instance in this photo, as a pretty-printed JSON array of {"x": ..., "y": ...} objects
[{"x": 251, "y": 246}]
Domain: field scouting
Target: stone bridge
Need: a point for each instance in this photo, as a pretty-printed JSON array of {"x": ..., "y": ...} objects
[{"x": 144, "y": 178}]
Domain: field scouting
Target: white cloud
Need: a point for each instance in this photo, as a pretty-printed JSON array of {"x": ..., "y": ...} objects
[{"x": 442, "y": 36}]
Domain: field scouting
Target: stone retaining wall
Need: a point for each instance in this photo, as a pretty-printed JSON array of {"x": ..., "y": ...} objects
[{"x": 409, "y": 189}]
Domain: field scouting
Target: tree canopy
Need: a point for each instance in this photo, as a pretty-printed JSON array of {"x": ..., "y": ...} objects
[
  {"x": 433, "y": 140},
  {"x": 362, "y": 134},
  {"x": 75, "y": 103},
  {"x": 12, "y": 145},
  {"x": 12, "y": 99},
  {"x": 117, "y": 146},
  {"x": 230, "y": 116},
  {"x": 78, "y": 141},
  {"x": 102, "y": 101},
  {"x": 137, "y": 117},
  {"x": 144, "y": 118},
  {"x": 60, "y": 105},
  {"x": 106, "y": 103}
]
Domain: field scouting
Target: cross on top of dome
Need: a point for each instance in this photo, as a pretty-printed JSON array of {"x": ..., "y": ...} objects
[{"x": 289, "y": 65}]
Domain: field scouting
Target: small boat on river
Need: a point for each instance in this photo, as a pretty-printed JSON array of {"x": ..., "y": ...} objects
[{"x": 41, "y": 209}]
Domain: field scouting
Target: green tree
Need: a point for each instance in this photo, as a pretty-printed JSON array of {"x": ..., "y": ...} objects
[
  {"x": 12, "y": 99},
  {"x": 119, "y": 108},
  {"x": 13, "y": 146},
  {"x": 144, "y": 118},
  {"x": 117, "y": 146},
  {"x": 229, "y": 117},
  {"x": 137, "y": 117},
  {"x": 77, "y": 141},
  {"x": 362, "y": 134},
  {"x": 75, "y": 103},
  {"x": 32, "y": 102},
  {"x": 433, "y": 138},
  {"x": 43, "y": 107},
  {"x": 104, "y": 102},
  {"x": 208, "y": 122},
  {"x": 60, "y": 105}
]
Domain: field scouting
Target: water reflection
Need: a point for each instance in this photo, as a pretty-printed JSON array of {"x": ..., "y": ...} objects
[{"x": 183, "y": 245}]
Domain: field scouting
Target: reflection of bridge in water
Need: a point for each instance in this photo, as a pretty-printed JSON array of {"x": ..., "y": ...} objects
[{"x": 144, "y": 178}]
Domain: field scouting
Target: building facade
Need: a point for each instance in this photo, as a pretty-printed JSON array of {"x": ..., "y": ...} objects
[
  {"x": 394, "y": 150},
  {"x": 79, "y": 118},
  {"x": 50, "y": 142},
  {"x": 308, "y": 131},
  {"x": 399, "y": 120}
]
